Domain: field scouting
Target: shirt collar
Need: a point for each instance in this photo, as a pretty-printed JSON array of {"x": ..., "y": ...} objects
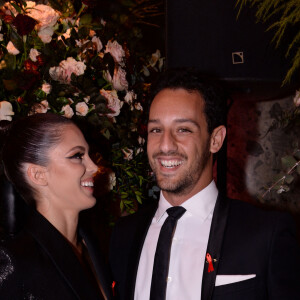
[{"x": 200, "y": 205}]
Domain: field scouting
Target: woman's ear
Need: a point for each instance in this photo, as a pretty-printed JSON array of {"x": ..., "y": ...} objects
[
  {"x": 37, "y": 174},
  {"x": 217, "y": 138}
]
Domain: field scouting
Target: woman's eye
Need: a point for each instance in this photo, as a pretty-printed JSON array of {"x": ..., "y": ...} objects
[{"x": 78, "y": 155}]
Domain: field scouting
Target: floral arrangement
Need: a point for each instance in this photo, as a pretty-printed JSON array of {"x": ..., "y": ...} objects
[{"x": 58, "y": 56}]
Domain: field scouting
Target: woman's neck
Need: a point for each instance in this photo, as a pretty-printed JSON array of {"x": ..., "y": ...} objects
[{"x": 65, "y": 222}]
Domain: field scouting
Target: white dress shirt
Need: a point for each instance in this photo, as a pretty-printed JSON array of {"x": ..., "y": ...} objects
[{"x": 187, "y": 251}]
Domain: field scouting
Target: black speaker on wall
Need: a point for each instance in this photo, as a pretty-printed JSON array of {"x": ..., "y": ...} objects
[{"x": 209, "y": 36}]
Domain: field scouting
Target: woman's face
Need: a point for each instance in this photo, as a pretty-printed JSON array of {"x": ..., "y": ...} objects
[{"x": 70, "y": 172}]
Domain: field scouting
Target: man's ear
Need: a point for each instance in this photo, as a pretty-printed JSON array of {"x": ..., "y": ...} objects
[
  {"x": 217, "y": 138},
  {"x": 37, "y": 174}
]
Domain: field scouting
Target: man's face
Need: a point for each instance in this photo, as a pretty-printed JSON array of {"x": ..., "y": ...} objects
[{"x": 179, "y": 143}]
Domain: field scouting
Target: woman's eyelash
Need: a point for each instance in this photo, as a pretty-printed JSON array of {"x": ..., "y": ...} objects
[{"x": 78, "y": 155}]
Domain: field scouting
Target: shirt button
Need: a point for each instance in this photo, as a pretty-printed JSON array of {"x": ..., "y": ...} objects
[
  {"x": 175, "y": 239},
  {"x": 169, "y": 279}
]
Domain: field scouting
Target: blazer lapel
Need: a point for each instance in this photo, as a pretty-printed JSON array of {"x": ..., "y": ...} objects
[
  {"x": 98, "y": 262},
  {"x": 214, "y": 246},
  {"x": 143, "y": 224},
  {"x": 61, "y": 254}
]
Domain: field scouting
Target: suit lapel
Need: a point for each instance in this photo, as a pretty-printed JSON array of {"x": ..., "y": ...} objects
[
  {"x": 214, "y": 246},
  {"x": 62, "y": 256},
  {"x": 143, "y": 224}
]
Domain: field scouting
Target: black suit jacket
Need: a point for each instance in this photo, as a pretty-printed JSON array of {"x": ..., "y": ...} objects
[
  {"x": 243, "y": 239},
  {"x": 40, "y": 264}
]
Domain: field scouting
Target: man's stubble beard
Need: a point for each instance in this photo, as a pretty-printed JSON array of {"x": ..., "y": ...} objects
[{"x": 189, "y": 178}]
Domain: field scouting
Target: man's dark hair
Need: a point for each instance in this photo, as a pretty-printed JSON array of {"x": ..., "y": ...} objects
[{"x": 192, "y": 80}]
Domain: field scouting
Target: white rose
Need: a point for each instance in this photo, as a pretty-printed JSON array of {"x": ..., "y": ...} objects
[
  {"x": 33, "y": 54},
  {"x": 68, "y": 111},
  {"x": 128, "y": 153},
  {"x": 119, "y": 81},
  {"x": 65, "y": 69},
  {"x": 46, "y": 88},
  {"x": 6, "y": 111},
  {"x": 113, "y": 102},
  {"x": 297, "y": 98},
  {"x": 81, "y": 109},
  {"x": 116, "y": 51},
  {"x": 45, "y": 34},
  {"x": 129, "y": 97},
  {"x": 12, "y": 49},
  {"x": 45, "y": 15}
]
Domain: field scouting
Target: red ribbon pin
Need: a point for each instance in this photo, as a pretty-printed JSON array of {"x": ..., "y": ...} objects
[
  {"x": 113, "y": 287},
  {"x": 210, "y": 263}
]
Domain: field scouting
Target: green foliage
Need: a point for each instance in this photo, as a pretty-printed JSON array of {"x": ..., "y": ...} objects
[{"x": 282, "y": 15}]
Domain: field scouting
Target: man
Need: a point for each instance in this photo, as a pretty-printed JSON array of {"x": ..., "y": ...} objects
[{"x": 221, "y": 248}]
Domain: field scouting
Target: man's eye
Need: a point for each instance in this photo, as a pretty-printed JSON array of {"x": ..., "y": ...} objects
[
  {"x": 78, "y": 155},
  {"x": 184, "y": 130},
  {"x": 154, "y": 130}
]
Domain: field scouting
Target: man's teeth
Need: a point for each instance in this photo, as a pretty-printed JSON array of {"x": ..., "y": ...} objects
[
  {"x": 170, "y": 163},
  {"x": 87, "y": 183}
]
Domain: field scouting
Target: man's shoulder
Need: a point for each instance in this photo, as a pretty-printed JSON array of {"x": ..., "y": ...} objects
[
  {"x": 143, "y": 213},
  {"x": 247, "y": 212}
]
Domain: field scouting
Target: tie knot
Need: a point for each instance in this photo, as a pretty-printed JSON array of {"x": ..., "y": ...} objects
[{"x": 176, "y": 212}]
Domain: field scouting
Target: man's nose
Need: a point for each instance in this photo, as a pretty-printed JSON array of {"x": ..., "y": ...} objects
[{"x": 168, "y": 142}]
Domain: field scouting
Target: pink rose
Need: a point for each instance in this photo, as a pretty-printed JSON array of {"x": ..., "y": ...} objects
[
  {"x": 45, "y": 15},
  {"x": 68, "y": 111},
  {"x": 65, "y": 69},
  {"x": 39, "y": 108},
  {"x": 81, "y": 109},
  {"x": 119, "y": 81},
  {"x": 128, "y": 153},
  {"x": 97, "y": 43},
  {"x": 113, "y": 102},
  {"x": 297, "y": 98},
  {"x": 6, "y": 111},
  {"x": 46, "y": 88},
  {"x": 45, "y": 34},
  {"x": 33, "y": 54},
  {"x": 12, "y": 49},
  {"x": 129, "y": 97},
  {"x": 116, "y": 51}
]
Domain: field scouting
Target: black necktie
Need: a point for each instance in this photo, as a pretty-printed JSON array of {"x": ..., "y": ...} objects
[{"x": 162, "y": 254}]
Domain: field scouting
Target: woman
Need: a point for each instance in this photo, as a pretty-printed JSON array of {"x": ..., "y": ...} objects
[{"x": 46, "y": 158}]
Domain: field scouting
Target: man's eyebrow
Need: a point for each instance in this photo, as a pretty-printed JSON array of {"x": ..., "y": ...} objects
[
  {"x": 187, "y": 121},
  {"x": 156, "y": 121}
]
